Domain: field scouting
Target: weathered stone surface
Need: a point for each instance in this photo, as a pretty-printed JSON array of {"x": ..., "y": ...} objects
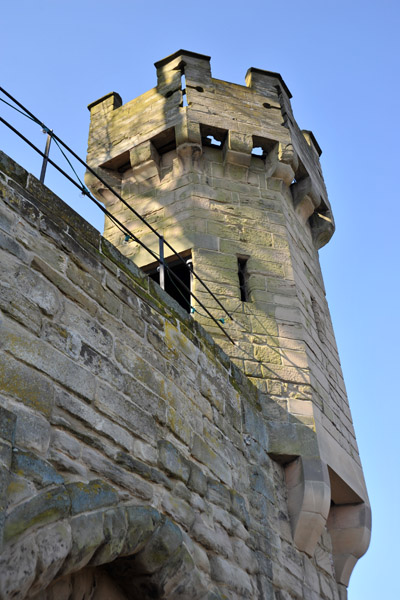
[
  {"x": 197, "y": 480},
  {"x": 208, "y": 457},
  {"x": 173, "y": 461},
  {"x": 90, "y": 496},
  {"x": 32, "y": 429},
  {"x": 114, "y": 528},
  {"x": 239, "y": 508},
  {"x": 20, "y": 308},
  {"x": 18, "y": 568},
  {"x": 230, "y": 575},
  {"x": 218, "y": 494},
  {"x": 27, "y": 465},
  {"x": 38, "y": 290},
  {"x": 158, "y": 550},
  {"x": 53, "y": 545},
  {"x": 87, "y": 535},
  {"x": 141, "y": 522},
  {"x": 7, "y": 425},
  {"x": 179, "y": 510},
  {"x": 32, "y": 388},
  {"x": 212, "y": 537},
  {"x": 46, "y": 507}
]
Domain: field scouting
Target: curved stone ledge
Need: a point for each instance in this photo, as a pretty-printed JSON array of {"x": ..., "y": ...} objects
[
  {"x": 350, "y": 529},
  {"x": 308, "y": 486},
  {"x": 322, "y": 228}
]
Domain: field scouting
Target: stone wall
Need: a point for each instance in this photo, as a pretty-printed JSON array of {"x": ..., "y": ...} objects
[{"x": 134, "y": 454}]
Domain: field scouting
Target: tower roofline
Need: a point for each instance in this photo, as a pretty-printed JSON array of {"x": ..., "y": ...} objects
[
  {"x": 167, "y": 59},
  {"x": 117, "y": 100},
  {"x": 270, "y": 74}
]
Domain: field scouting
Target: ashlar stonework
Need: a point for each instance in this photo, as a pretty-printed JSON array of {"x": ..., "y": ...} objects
[{"x": 143, "y": 455}]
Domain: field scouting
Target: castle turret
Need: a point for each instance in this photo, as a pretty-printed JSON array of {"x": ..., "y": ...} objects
[{"x": 223, "y": 172}]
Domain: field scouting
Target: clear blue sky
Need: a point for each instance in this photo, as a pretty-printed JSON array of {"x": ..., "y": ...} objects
[{"x": 340, "y": 59}]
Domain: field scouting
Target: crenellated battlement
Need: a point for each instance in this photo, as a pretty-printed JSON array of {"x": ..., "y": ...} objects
[{"x": 188, "y": 106}]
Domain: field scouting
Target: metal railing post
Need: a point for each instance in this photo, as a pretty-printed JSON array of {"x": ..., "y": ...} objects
[
  {"x": 45, "y": 158},
  {"x": 189, "y": 263},
  {"x": 161, "y": 268}
]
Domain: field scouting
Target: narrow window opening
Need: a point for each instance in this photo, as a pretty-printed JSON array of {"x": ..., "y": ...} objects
[
  {"x": 165, "y": 141},
  {"x": 243, "y": 279},
  {"x": 183, "y": 90},
  {"x": 178, "y": 277}
]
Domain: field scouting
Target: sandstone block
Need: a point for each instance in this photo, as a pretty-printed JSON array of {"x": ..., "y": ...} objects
[
  {"x": 172, "y": 460},
  {"x": 197, "y": 480},
  {"x": 231, "y": 575},
  {"x": 218, "y": 494},
  {"x": 141, "y": 523},
  {"x": 32, "y": 430},
  {"x": 7, "y": 424},
  {"x": 46, "y": 507},
  {"x": 178, "y": 509},
  {"x": 211, "y": 536},
  {"x": 18, "y": 568},
  {"x": 25, "y": 384},
  {"x": 90, "y": 496},
  {"x": 53, "y": 544},
  {"x": 12, "y": 247},
  {"x": 20, "y": 308},
  {"x": 213, "y": 461},
  {"x": 114, "y": 528},
  {"x": 87, "y": 536},
  {"x": 35, "y": 469},
  {"x": 38, "y": 290},
  {"x": 123, "y": 409}
]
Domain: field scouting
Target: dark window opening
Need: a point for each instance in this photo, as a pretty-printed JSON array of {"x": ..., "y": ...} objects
[
  {"x": 177, "y": 278},
  {"x": 120, "y": 163},
  {"x": 243, "y": 279},
  {"x": 165, "y": 141}
]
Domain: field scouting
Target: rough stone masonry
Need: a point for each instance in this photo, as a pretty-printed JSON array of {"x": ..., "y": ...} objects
[{"x": 142, "y": 454}]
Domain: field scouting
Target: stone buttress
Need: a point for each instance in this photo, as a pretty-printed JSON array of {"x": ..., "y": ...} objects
[{"x": 224, "y": 173}]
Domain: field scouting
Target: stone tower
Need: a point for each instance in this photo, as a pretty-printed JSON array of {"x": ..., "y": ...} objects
[{"x": 224, "y": 173}]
